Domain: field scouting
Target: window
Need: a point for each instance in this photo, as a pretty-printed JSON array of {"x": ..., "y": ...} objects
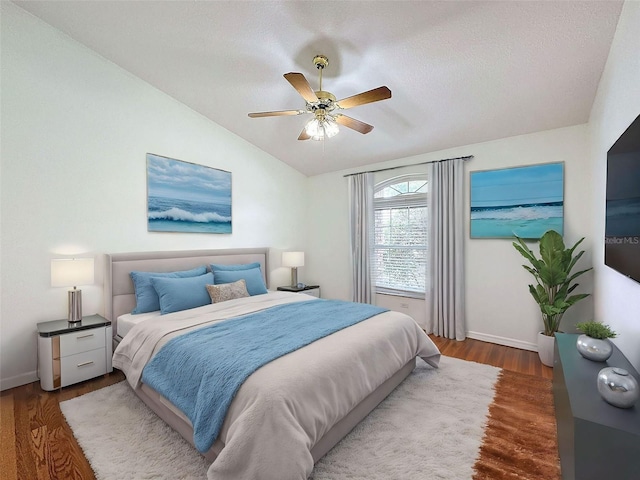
[{"x": 400, "y": 240}]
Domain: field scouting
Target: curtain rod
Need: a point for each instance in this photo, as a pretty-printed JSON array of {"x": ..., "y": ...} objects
[{"x": 468, "y": 157}]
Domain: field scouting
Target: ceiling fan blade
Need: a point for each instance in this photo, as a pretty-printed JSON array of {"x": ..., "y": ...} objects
[
  {"x": 304, "y": 135},
  {"x": 300, "y": 83},
  {"x": 353, "y": 124},
  {"x": 277, "y": 113},
  {"x": 375, "y": 95}
]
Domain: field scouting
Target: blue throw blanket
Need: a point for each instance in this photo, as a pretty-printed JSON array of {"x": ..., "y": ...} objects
[{"x": 201, "y": 371}]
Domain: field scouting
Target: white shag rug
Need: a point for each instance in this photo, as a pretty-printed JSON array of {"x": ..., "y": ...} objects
[{"x": 430, "y": 427}]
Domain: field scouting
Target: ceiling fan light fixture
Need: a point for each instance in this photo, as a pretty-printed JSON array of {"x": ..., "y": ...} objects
[
  {"x": 313, "y": 127},
  {"x": 330, "y": 126},
  {"x": 321, "y": 128}
]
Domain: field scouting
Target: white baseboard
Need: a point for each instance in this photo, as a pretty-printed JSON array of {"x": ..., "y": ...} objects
[
  {"x": 18, "y": 380},
  {"x": 508, "y": 342}
]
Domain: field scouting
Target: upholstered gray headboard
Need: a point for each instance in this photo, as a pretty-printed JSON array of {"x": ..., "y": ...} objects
[{"x": 119, "y": 292}]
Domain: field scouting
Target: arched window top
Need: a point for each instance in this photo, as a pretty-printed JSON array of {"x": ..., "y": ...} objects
[{"x": 402, "y": 186}]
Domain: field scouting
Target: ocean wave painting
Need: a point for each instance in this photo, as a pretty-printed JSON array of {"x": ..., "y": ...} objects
[
  {"x": 522, "y": 201},
  {"x": 185, "y": 197}
]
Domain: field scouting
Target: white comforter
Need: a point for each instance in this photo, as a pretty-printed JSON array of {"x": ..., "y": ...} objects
[{"x": 286, "y": 406}]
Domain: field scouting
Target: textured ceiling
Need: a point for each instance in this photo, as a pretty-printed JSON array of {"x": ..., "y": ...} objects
[{"x": 460, "y": 72}]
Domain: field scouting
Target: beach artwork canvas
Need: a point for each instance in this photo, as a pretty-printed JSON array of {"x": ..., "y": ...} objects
[
  {"x": 185, "y": 197},
  {"x": 522, "y": 201}
]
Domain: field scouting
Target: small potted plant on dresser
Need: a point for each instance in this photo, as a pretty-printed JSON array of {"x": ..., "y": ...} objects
[
  {"x": 552, "y": 291},
  {"x": 593, "y": 343}
]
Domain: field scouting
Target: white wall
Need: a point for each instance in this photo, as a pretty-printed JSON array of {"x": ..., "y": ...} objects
[
  {"x": 75, "y": 131},
  {"x": 617, "y": 104},
  {"x": 499, "y": 306}
]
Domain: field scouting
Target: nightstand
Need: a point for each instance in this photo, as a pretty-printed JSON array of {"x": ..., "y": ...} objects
[
  {"x": 69, "y": 353},
  {"x": 313, "y": 290}
]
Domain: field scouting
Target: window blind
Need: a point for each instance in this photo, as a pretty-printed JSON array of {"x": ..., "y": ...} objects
[{"x": 400, "y": 247}]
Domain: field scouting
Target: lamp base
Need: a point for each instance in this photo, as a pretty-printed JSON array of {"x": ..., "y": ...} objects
[
  {"x": 294, "y": 276},
  {"x": 75, "y": 306}
]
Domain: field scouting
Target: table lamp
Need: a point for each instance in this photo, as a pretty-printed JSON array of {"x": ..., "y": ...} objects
[
  {"x": 293, "y": 260},
  {"x": 71, "y": 272}
]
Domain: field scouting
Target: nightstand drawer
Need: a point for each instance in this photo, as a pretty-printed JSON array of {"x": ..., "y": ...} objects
[
  {"x": 314, "y": 292},
  {"x": 81, "y": 341},
  {"x": 83, "y": 366}
]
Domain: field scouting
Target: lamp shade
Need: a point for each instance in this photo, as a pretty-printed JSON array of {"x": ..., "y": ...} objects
[
  {"x": 70, "y": 272},
  {"x": 293, "y": 259}
]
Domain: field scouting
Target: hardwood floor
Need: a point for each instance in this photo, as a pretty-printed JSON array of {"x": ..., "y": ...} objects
[
  {"x": 513, "y": 359},
  {"x": 37, "y": 443}
]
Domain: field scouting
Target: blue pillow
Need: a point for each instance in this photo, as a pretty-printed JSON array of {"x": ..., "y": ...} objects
[
  {"x": 176, "y": 294},
  {"x": 244, "y": 266},
  {"x": 146, "y": 296},
  {"x": 252, "y": 277}
]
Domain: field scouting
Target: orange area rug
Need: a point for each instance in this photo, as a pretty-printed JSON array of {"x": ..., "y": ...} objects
[{"x": 520, "y": 440}]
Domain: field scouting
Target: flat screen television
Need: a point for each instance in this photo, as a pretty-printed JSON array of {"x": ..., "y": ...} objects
[{"x": 622, "y": 227}]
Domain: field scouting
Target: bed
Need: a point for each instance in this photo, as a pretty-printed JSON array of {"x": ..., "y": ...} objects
[{"x": 290, "y": 411}]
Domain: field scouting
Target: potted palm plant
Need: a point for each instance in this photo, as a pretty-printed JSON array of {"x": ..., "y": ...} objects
[{"x": 553, "y": 288}]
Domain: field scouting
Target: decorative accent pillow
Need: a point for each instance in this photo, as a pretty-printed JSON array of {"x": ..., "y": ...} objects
[
  {"x": 227, "y": 291},
  {"x": 146, "y": 296},
  {"x": 176, "y": 294},
  {"x": 252, "y": 277}
]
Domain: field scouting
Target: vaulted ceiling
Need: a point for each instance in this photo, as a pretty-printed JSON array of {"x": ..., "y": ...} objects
[{"x": 459, "y": 72}]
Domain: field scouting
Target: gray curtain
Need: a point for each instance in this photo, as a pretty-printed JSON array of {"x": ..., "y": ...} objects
[
  {"x": 445, "y": 261},
  {"x": 362, "y": 226}
]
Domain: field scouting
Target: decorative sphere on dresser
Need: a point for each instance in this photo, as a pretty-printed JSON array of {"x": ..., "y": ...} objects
[{"x": 618, "y": 387}]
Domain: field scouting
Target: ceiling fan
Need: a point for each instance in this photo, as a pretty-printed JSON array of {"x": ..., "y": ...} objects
[{"x": 324, "y": 106}]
